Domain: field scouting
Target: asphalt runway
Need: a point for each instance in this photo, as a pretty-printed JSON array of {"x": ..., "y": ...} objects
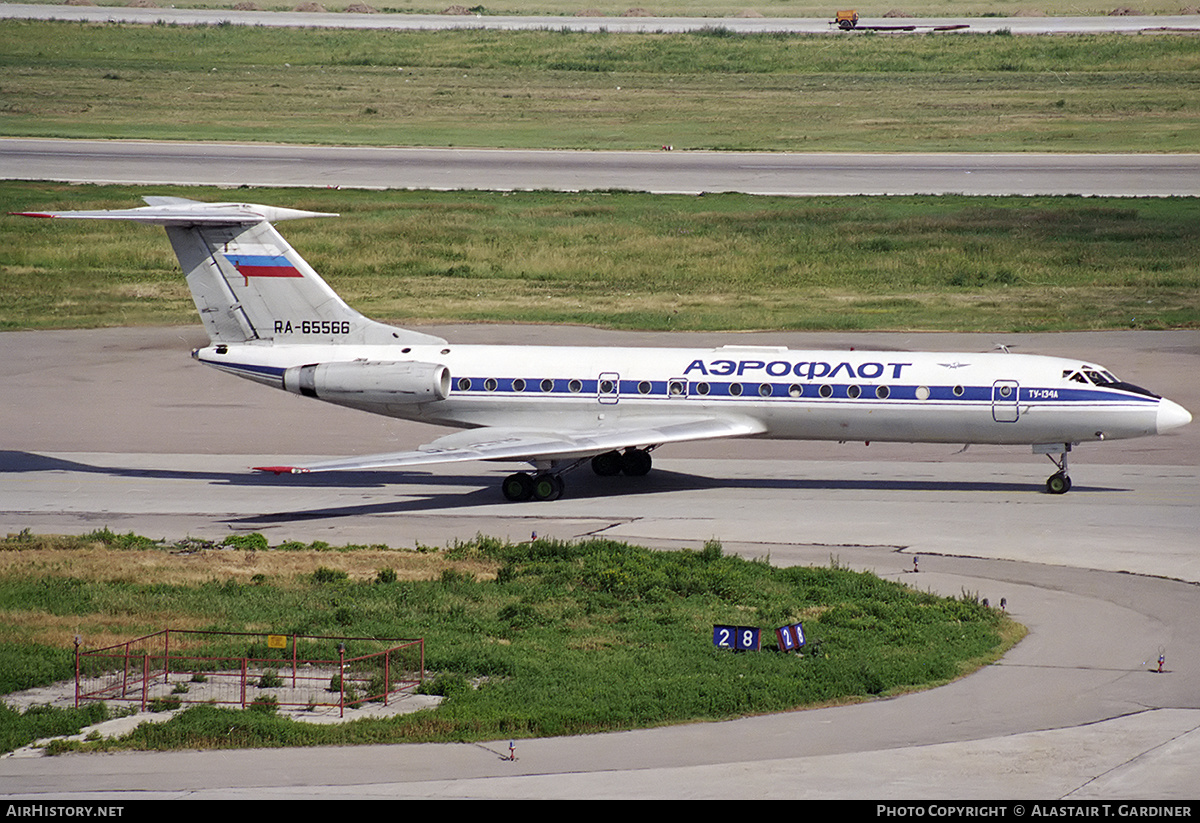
[
  {"x": 660, "y": 172},
  {"x": 120, "y": 428},
  {"x": 628, "y": 25}
]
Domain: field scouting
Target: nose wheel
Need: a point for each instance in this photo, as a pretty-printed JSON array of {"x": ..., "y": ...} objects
[{"x": 1058, "y": 483}]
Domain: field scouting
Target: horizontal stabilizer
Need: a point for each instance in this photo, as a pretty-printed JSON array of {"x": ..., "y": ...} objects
[{"x": 179, "y": 211}]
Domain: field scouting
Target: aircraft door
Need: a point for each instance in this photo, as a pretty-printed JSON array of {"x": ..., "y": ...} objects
[
  {"x": 608, "y": 388},
  {"x": 1005, "y": 396}
]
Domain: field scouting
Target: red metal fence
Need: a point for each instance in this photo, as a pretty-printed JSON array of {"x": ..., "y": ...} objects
[{"x": 174, "y": 666}]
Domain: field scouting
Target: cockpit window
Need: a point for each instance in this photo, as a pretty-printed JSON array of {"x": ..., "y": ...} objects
[
  {"x": 1103, "y": 377},
  {"x": 1097, "y": 377}
]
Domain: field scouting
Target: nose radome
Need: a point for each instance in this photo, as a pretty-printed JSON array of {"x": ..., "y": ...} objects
[{"x": 1171, "y": 415}]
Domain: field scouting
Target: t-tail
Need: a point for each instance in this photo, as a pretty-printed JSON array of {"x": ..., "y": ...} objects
[{"x": 248, "y": 283}]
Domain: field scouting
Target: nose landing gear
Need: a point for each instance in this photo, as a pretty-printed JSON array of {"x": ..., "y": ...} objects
[{"x": 1060, "y": 481}]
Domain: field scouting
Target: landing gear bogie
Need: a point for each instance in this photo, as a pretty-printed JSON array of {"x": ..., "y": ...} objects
[
  {"x": 547, "y": 484},
  {"x": 521, "y": 487},
  {"x": 517, "y": 487},
  {"x": 631, "y": 463},
  {"x": 607, "y": 464},
  {"x": 548, "y": 487},
  {"x": 636, "y": 462}
]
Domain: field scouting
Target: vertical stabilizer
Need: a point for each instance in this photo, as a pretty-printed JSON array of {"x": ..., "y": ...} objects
[{"x": 247, "y": 282}]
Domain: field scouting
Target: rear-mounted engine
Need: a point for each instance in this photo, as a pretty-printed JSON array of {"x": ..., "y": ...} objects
[{"x": 367, "y": 382}]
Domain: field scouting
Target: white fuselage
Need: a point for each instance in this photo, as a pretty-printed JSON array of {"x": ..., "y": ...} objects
[{"x": 935, "y": 397}]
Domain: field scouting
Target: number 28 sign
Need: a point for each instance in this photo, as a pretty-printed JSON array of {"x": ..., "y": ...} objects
[{"x": 738, "y": 638}]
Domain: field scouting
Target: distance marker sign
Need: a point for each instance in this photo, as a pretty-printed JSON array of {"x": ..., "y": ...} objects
[{"x": 738, "y": 638}]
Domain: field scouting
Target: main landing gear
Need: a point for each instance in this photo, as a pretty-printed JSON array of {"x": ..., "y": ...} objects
[
  {"x": 548, "y": 485},
  {"x": 522, "y": 486}
]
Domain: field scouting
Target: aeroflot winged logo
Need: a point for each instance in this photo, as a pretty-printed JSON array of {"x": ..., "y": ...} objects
[{"x": 262, "y": 265}]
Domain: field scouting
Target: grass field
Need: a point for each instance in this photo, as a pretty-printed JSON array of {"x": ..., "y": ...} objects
[
  {"x": 627, "y": 260},
  {"x": 529, "y": 639},
  {"x": 601, "y": 91}
]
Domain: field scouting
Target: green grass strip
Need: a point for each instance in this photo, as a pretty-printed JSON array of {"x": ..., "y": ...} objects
[
  {"x": 542, "y": 89},
  {"x": 638, "y": 261}
]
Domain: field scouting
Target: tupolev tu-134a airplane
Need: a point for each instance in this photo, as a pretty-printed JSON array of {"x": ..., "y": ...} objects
[{"x": 273, "y": 320}]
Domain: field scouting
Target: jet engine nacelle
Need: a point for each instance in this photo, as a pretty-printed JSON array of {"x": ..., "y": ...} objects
[{"x": 369, "y": 383}]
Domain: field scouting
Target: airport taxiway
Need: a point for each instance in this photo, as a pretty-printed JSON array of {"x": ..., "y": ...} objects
[
  {"x": 232, "y": 165},
  {"x": 1091, "y": 24},
  {"x": 120, "y": 428}
]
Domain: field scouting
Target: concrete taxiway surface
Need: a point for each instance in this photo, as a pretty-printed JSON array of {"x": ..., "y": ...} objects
[
  {"x": 228, "y": 164},
  {"x": 120, "y": 428}
]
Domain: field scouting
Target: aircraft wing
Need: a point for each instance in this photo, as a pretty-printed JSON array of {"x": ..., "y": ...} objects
[{"x": 503, "y": 443}]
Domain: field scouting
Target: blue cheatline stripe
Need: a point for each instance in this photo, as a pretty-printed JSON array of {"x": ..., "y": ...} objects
[
  {"x": 247, "y": 368},
  {"x": 810, "y": 391}
]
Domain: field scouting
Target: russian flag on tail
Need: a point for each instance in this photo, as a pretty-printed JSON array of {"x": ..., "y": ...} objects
[{"x": 262, "y": 265}]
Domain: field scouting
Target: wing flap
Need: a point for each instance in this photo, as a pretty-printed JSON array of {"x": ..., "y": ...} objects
[{"x": 499, "y": 443}]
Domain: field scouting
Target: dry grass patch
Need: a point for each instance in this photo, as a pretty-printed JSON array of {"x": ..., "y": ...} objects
[
  {"x": 100, "y": 630},
  {"x": 163, "y": 566}
]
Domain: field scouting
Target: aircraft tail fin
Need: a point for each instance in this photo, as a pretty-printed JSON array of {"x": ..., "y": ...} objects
[{"x": 247, "y": 282}]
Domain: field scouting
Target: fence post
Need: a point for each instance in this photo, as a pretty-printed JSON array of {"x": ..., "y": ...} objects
[
  {"x": 341, "y": 679},
  {"x": 243, "y": 682},
  {"x": 145, "y": 678},
  {"x": 78, "y": 640},
  {"x": 125, "y": 673}
]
